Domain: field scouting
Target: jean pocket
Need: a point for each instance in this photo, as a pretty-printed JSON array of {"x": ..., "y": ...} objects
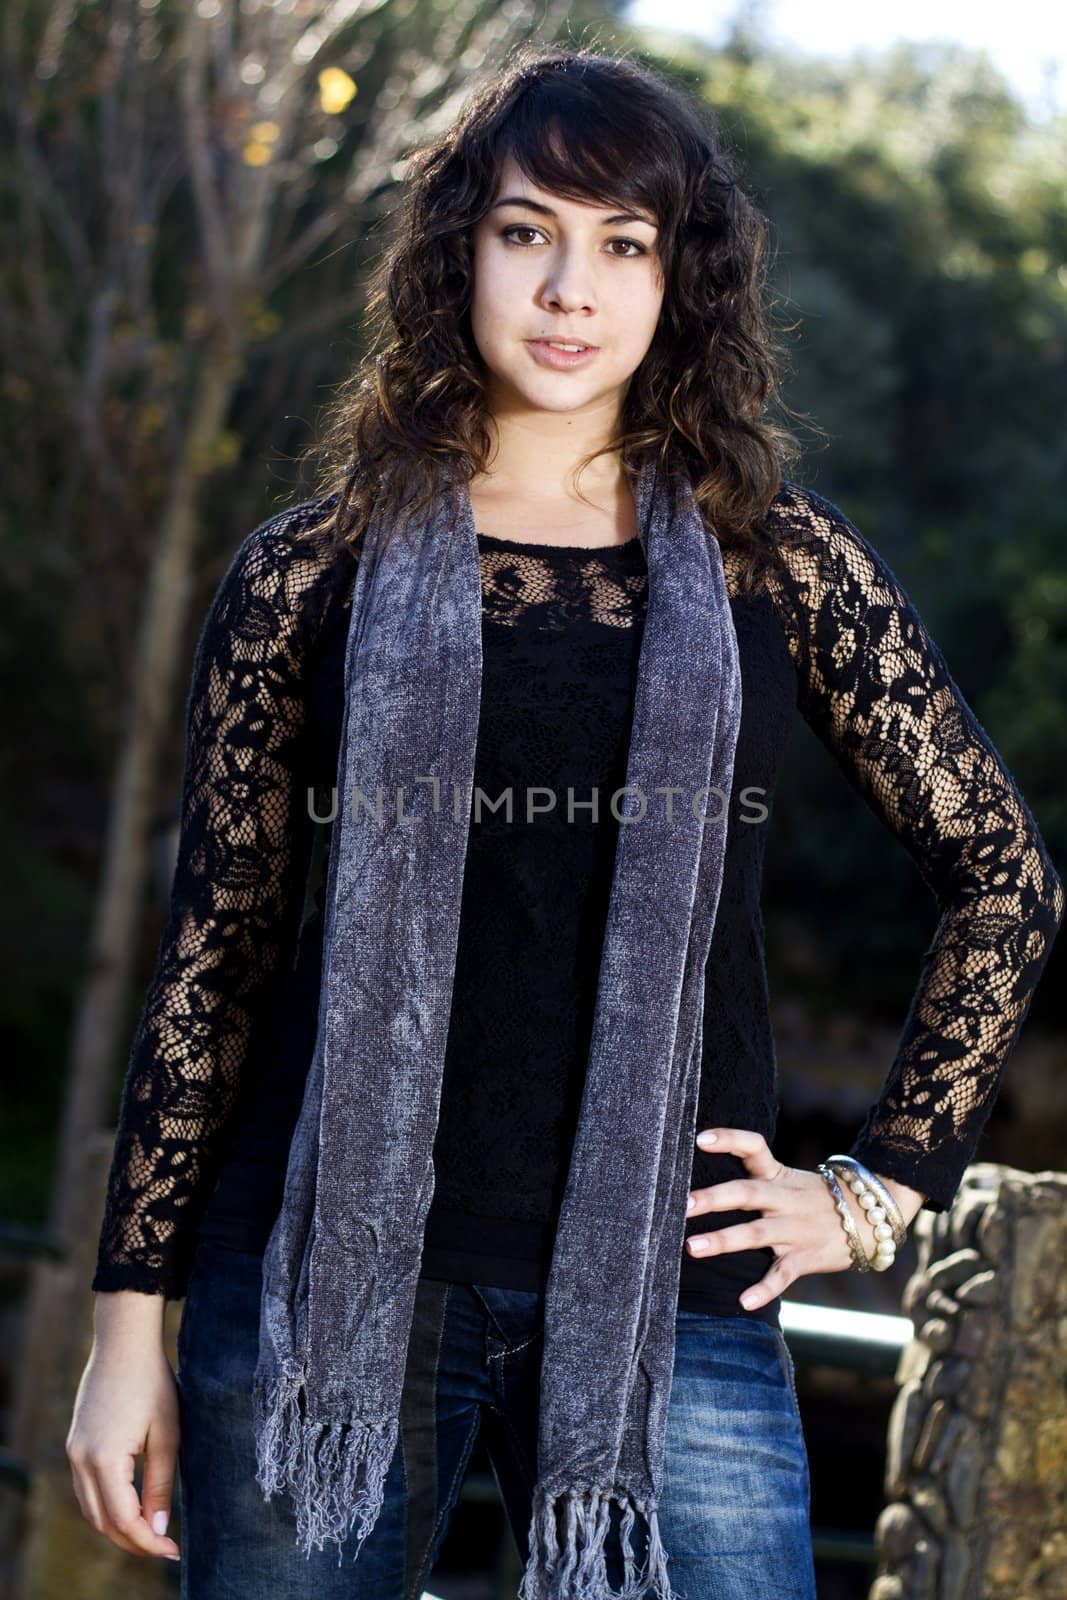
[{"x": 218, "y": 1339}]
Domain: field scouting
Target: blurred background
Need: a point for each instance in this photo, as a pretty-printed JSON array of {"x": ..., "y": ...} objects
[{"x": 189, "y": 197}]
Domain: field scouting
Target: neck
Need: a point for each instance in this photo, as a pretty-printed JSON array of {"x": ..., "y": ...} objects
[{"x": 536, "y": 453}]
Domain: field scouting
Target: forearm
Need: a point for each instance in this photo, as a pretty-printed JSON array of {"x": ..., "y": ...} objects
[
  {"x": 124, "y": 1316},
  {"x": 909, "y": 1200}
]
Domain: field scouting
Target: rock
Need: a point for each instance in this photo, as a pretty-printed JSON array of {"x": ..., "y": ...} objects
[
  {"x": 898, "y": 1531},
  {"x": 967, "y": 1213},
  {"x": 981, "y": 1290},
  {"x": 922, "y": 1576},
  {"x": 977, "y": 1459},
  {"x": 929, "y": 1502},
  {"x": 973, "y": 1333},
  {"x": 929, "y": 1434},
  {"x": 1052, "y": 1451},
  {"x": 1014, "y": 1459},
  {"x": 979, "y": 1396},
  {"x": 964, "y": 1476},
  {"x": 938, "y": 1334},
  {"x": 941, "y": 1304},
  {"x": 905, "y": 1419},
  {"x": 945, "y": 1444},
  {"x": 913, "y": 1361},
  {"x": 946, "y": 1378},
  {"x": 1036, "y": 1258},
  {"x": 915, "y": 1291},
  {"x": 992, "y": 1235},
  {"x": 955, "y": 1569},
  {"x": 1010, "y": 1554},
  {"x": 953, "y": 1269}
]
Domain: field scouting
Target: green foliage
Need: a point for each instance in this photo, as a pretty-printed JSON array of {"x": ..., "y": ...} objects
[{"x": 919, "y": 221}]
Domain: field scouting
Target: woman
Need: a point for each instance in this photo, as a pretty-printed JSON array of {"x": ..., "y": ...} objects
[{"x": 577, "y": 199}]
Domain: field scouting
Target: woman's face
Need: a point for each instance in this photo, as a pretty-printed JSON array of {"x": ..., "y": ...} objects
[{"x": 549, "y": 268}]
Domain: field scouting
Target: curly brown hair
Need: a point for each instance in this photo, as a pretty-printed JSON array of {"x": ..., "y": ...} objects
[{"x": 595, "y": 126}]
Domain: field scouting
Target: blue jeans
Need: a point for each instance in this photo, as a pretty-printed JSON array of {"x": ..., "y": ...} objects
[{"x": 734, "y": 1500}]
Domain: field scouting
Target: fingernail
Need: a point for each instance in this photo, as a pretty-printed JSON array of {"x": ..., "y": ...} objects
[
  {"x": 159, "y": 1522},
  {"x": 704, "y": 1139},
  {"x": 689, "y": 1204},
  {"x": 748, "y": 1300}
]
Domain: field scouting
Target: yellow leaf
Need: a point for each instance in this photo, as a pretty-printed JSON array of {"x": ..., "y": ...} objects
[{"x": 336, "y": 89}]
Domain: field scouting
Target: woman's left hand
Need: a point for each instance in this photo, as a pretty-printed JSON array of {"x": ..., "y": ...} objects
[{"x": 800, "y": 1221}]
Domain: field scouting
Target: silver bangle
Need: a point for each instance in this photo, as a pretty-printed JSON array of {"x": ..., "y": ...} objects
[
  {"x": 852, "y": 1233},
  {"x": 861, "y": 1182},
  {"x": 893, "y": 1215}
]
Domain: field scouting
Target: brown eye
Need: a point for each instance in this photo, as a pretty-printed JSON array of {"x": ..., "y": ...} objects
[
  {"x": 634, "y": 248},
  {"x": 518, "y": 227}
]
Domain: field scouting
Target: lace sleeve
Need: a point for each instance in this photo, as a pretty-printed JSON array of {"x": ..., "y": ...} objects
[
  {"x": 875, "y": 688},
  {"x": 236, "y": 899}
]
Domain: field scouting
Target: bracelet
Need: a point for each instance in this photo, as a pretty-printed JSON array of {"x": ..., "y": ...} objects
[
  {"x": 885, "y": 1220},
  {"x": 859, "y": 1255},
  {"x": 859, "y": 1177}
]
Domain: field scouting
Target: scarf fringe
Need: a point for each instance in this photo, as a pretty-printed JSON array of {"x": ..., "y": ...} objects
[
  {"x": 578, "y": 1570},
  {"x": 321, "y": 1464}
]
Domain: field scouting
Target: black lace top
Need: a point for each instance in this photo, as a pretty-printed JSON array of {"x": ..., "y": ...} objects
[{"x": 225, "y": 1038}]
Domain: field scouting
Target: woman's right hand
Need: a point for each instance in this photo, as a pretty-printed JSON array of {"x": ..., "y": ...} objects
[{"x": 126, "y": 1405}]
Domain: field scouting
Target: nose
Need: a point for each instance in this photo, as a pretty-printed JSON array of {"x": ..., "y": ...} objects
[{"x": 569, "y": 284}]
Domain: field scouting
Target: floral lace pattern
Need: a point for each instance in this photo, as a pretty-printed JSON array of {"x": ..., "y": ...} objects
[
  {"x": 876, "y": 689},
  {"x": 870, "y": 682},
  {"x": 237, "y": 894}
]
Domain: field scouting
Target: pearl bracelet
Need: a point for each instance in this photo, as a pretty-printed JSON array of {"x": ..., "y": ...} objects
[
  {"x": 859, "y": 1177},
  {"x": 882, "y": 1211}
]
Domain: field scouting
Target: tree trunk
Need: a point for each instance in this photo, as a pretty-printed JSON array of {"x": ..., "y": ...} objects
[{"x": 50, "y": 1333}]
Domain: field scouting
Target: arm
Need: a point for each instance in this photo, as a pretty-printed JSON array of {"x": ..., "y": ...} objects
[
  {"x": 909, "y": 1200},
  {"x": 876, "y": 689},
  {"x": 235, "y": 905}
]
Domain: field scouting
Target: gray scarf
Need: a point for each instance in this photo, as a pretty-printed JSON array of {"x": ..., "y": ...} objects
[{"x": 343, "y": 1260}]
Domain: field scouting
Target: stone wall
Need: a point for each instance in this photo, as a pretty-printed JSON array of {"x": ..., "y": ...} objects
[{"x": 976, "y": 1475}]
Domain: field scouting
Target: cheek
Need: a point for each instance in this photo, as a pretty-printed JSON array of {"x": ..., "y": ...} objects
[
  {"x": 497, "y": 301},
  {"x": 639, "y": 312}
]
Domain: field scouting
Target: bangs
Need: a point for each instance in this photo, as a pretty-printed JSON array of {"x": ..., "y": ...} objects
[{"x": 596, "y": 143}]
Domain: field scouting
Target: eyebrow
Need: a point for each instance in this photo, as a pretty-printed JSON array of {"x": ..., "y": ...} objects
[{"x": 546, "y": 211}]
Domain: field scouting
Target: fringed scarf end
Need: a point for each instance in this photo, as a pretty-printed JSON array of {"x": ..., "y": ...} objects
[
  {"x": 576, "y": 1567},
  {"x": 335, "y": 1471}
]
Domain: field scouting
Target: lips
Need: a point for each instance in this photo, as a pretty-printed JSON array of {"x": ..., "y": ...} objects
[
  {"x": 559, "y": 339},
  {"x": 547, "y": 355}
]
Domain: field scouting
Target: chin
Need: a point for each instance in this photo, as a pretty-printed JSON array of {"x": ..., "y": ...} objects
[
  {"x": 559, "y": 391},
  {"x": 562, "y": 402}
]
